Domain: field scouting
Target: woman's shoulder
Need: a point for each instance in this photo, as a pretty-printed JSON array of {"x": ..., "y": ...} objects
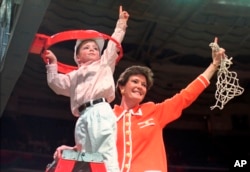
[{"x": 149, "y": 104}]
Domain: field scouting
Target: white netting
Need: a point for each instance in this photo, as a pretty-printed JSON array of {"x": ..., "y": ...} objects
[{"x": 227, "y": 83}]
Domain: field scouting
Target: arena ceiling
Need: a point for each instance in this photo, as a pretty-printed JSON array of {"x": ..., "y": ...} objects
[{"x": 170, "y": 36}]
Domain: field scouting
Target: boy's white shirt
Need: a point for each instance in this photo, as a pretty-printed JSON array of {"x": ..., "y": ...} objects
[{"x": 90, "y": 81}]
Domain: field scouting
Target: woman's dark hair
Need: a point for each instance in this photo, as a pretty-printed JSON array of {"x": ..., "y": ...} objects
[{"x": 135, "y": 70}]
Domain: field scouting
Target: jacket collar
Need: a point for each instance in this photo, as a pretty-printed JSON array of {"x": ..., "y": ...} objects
[{"x": 120, "y": 111}]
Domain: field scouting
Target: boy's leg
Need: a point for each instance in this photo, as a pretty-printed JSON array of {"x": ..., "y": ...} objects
[{"x": 102, "y": 134}]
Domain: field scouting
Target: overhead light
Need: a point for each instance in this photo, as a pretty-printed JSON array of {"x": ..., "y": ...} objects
[{"x": 233, "y": 2}]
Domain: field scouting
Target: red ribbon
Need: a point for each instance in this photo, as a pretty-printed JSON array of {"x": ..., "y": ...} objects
[{"x": 43, "y": 42}]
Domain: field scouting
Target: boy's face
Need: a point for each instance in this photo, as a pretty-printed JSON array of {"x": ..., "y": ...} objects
[{"x": 88, "y": 51}]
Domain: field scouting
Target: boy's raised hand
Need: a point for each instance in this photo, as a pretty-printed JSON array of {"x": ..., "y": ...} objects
[
  {"x": 49, "y": 56},
  {"x": 123, "y": 14}
]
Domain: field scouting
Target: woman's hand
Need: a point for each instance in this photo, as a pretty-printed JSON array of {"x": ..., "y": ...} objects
[{"x": 217, "y": 54}]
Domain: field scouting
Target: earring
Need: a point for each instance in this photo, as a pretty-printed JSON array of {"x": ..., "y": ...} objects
[{"x": 122, "y": 91}]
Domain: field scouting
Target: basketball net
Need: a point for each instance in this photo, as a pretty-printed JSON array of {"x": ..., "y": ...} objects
[{"x": 227, "y": 85}]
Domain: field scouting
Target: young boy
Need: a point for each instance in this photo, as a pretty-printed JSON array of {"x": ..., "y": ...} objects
[{"x": 91, "y": 89}]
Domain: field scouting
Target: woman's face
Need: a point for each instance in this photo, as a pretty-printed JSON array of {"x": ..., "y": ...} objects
[
  {"x": 89, "y": 51},
  {"x": 135, "y": 89}
]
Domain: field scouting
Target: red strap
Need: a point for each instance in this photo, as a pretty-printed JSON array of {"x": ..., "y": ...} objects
[
  {"x": 97, "y": 167},
  {"x": 43, "y": 42}
]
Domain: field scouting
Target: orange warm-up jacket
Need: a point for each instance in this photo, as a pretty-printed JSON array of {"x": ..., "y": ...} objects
[{"x": 140, "y": 141}]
